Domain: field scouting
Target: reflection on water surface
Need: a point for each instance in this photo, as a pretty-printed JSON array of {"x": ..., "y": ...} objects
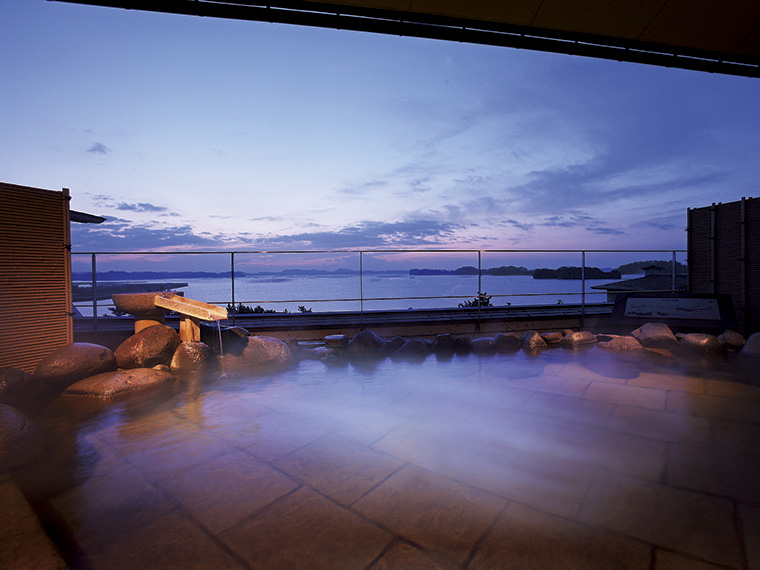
[{"x": 466, "y": 462}]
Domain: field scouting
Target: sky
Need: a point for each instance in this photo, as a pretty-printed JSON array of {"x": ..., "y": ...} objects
[{"x": 192, "y": 133}]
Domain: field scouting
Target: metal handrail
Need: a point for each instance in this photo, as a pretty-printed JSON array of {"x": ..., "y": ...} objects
[{"x": 361, "y": 252}]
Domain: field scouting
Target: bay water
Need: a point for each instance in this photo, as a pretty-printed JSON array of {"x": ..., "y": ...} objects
[{"x": 397, "y": 291}]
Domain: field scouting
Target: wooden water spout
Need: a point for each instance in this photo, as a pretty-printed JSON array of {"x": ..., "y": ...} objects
[{"x": 192, "y": 312}]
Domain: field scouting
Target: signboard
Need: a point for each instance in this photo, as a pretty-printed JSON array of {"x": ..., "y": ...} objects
[{"x": 676, "y": 309}]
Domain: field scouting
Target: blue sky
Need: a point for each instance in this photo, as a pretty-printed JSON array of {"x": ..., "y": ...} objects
[{"x": 197, "y": 133}]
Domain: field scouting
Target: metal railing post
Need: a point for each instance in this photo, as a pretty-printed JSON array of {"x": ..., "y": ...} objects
[
  {"x": 361, "y": 289},
  {"x": 673, "y": 272},
  {"x": 232, "y": 284},
  {"x": 480, "y": 285},
  {"x": 583, "y": 289},
  {"x": 94, "y": 294}
]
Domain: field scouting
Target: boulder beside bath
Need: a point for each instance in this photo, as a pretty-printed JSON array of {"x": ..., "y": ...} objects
[
  {"x": 752, "y": 346},
  {"x": 23, "y": 390},
  {"x": 72, "y": 362},
  {"x": 532, "y": 340},
  {"x": 731, "y": 340},
  {"x": 700, "y": 342},
  {"x": 193, "y": 357},
  {"x": 19, "y": 438},
  {"x": 258, "y": 353},
  {"x": 577, "y": 338},
  {"x": 147, "y": 348},
  {"x": 119, "y": 382},
  {"x": 623, "y": 343},
  {"x": 655, "y": 335},
  {"x": 366, "y": 344}
]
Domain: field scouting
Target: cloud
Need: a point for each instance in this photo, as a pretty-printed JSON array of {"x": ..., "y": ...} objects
[
  {"x": 140, "y": 207},
  {"x": 412, "y": 232},
  {"x": 99, "y": 148}
]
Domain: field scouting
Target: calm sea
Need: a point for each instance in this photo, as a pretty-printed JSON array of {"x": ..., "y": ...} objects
[{"x": 343, "y": 293}]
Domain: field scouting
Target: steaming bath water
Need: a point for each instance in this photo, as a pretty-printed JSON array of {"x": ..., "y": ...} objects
[{"x": 559, "y": 458}]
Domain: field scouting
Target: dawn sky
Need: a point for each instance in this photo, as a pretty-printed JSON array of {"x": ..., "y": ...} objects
[{"x": 190, "y": 132}]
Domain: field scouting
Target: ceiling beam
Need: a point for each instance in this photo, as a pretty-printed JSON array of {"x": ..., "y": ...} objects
[{"x": 415, "y": 24}]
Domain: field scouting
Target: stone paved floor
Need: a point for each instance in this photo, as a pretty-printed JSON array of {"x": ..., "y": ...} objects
[{"x": 567, "y": 460}]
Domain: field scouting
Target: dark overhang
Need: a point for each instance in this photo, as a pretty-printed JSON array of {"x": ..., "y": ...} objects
[
  {"x": 85, "y": 218},
  {"x": 717, "y": 36}
]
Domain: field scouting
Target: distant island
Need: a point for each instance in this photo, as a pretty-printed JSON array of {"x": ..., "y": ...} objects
[
  {"x": 470, "y": 270},
  {"x": 575, "y": 273},
  {"x": 542, "y": 273}
]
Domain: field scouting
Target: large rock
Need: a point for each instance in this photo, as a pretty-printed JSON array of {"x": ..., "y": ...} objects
[
  {"x": 119, "y": 383},
  {"x": 366, "y": 344},
  {"x": 444, "y": 343},
  {"x": 731, "y": 340},
  {"x": 336, "y": 340},
  {"x": 531, "y": 340},
  {"x": 623, "y": 343},
  {"x": 655, "y": 335},
  {"x": 230, "y": 335},
  {"x": 70, "y": 363},
  {"x": 193, "y": 357},
  {"x": 147, "y": 348},
  {"x": 506, "y": 342},
  {"x": 394, "y": 344},
  {"x": 257, "y": 354},
  {"x": 19, "y": 438},
  {"x": 752, "y": 346},
  {"x": 485, "y": 345},
  {"x": 463, "y": 345},
  {"x": 700, "y": 342},
  {"x": 552, "y": 337},
  {"x": 24, "y": 391},
  {"x": 415, "y": 349},
  {"x": 577, "y": 338}
]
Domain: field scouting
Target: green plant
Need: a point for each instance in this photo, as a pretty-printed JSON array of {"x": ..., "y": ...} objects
[
  {"x": 482, "y": 300},
  {"x": 240, "y": 309},
  {"x": 302, "y": 309}
]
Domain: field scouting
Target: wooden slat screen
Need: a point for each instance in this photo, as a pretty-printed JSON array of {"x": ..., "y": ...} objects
[{"x": 35, "y": 274}]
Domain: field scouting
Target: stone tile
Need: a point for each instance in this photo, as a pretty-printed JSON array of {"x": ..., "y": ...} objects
[
  {"x": 609, "y": 371},
  {"x": 339, "y": 468},
  {"x": 447, "y": 453},
  {"x": 562, "y": 385},
  {"x": 112, "y": 500},
  {"x": 667, "y": 426},
  {"x": 733, "y": 390},
  {"x": 553, "y": 485},
  {"x": 170, "y": 541},
  {"x": 575, "y": 410},
  {"x": 227, "y": 416},
  {"x": 623, "y": 394},
  {"x": 306, "y": 531},
  {"x": 750, "y": 521},
  {"x": 278, "y": 434},
  {"x": 526, "y": 539},
  {"x": 674, "y": 519},
  {"x": 404, "y": 556},
  {"x": 23, "y": 542},
  {"x": 492, "y": 395},
  {"x": 669, "y": 382},
  {"x": 558, "y": 439},
  {"x": 442, "y": 516},
  {"x": 162, "y": 447},
  {"x": 728, "y": 472},
  {"x": 665, "y": 560},
  {"x": 226, "y": 489},
  {"x": 359, "y": 424},
  {"x": 434, "y": 408},
  {"x": 728, "y": 433},
  {"x": 714, "y": 407}
]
